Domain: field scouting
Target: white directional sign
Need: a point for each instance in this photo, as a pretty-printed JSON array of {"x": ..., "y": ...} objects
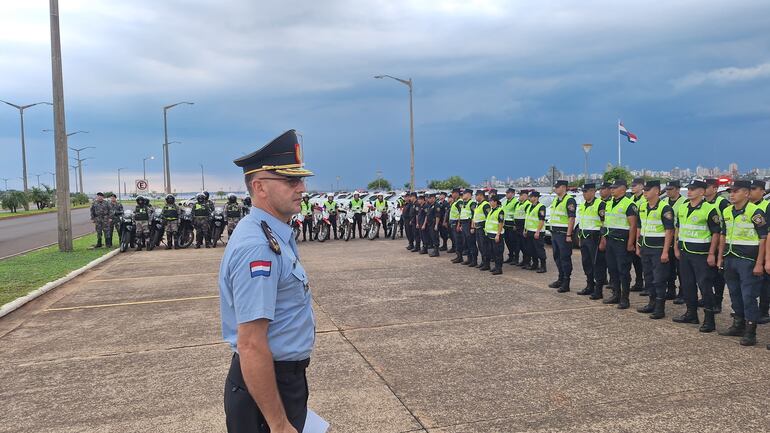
[{"x": 142, "y": 185}]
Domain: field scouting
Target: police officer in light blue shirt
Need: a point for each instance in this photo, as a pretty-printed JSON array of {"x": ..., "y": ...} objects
[{"x": 265, "y": 301}]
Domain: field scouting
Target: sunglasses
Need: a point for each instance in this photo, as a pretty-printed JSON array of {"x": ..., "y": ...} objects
[{"x": 292, "y": 181}]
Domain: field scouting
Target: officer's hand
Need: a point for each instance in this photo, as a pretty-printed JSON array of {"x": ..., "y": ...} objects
[
  {"x": 473, "y": 230},
  {"x": 537, "y": 236},
  {"x": 525, "y": 234},
  {"x": 758, "y": 270},
  {"x": 631, "y": 247},
  {"x": 603, "y": 244},
  {"x": 711, "y": 259},
  {"x": 720, "y": 263},
  {"x": 638, "y": 252},
  {"x": 569, "y": 239},
  {"x": 664, "y": 257},
  {"x": 283, "y": 428},
  {"x": 497, "y": 238},
  {"x": 767, "y": 266},
  {"x": 678, "y": 254}
]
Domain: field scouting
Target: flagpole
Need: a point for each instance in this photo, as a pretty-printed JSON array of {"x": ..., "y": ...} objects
[{"x": 617, "y": 132}]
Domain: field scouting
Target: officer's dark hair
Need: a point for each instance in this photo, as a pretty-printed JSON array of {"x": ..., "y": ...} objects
[{"x": 248, "y": 179}]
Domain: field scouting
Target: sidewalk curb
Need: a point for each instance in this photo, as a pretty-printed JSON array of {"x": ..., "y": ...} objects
[{"x": 19, "y": 302}]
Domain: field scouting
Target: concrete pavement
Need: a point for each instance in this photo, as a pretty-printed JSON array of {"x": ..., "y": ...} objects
[
  {"x": 34, "y": 231},
  {"x": 405, "y": 343}
]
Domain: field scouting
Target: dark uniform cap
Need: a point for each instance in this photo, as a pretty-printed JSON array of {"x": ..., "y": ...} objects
[
  {"x": 282, "y": 155},
  {"x": 652, "y": 184},
  {"x": 100, "y": 193},
  {"x": 421, "y": 196},
  {"x": 523, "y": 191},
  {"x": 674, "y": 184},
  {"x": 492, "y": 192},
  {"x": 113, "y": 195},
  {"x": 534, "y": 193},
  {"x": 442, "y": 193},
  {"x": 606, "y": 185},
  {"x": 587, "y": 186},
  {"x": 741, "y": 184},
  {"x": 414, "y": 194},
  {"x": 456, "y": 190},
  {"x": 561, "y": 183},
  {"x": 712, "y": 181},
  {"x": 510, "y": 190},
  {"x": 695, "y": 183},
  {"x": 480, "y": 191},
  {"x": 758, "y": 184},
  {"x": 468, "y": 191},
  {"x": 618, "y": 183},
  {"x": 637, "y": 181}
]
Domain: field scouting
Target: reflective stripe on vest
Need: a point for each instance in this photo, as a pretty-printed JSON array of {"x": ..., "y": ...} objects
[
  {"x": 465, "y": 212},
  {"x": 492, "y": 223},
  {"x": 694, "y": 228},
  {"x": 559, "y": 216},
  {"x": 676, "y": 205},
  {"x": 454, "y": 210},
  {"x": 615, "y": 214},
  {"x": 533, "y": 219},
  {"x": 330, "y": 206},
  {"x": 200, "y": 210},
  {"x": 740, "y": 229},
  {"x": 589, "y": 217},
  {"x": 478, "y": 213},
  {"x": 170, "y": 212}
]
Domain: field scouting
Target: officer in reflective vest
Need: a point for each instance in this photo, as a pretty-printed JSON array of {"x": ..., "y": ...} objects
[
  {"x": 455, "y": 232},
  {"x": 479, "y": 218},
  {"x": 619, "y": 241},
  {"x": 533, "y": 233},
  {"x": 653, "y": 244},
  {"x": 756, "y": 196},
  {"x": 605, "y": 194},
  {"x": 698, "y": 226},
  {"x": 331, "y": 207},
  {"x": 466, "y": 223},
  {"x": 674, "y": 199},
  {"x": 509, "y": 209},
  {"x": 590, "y": 232},
  {"x": 201, "y": 214},
  {"x": 637, "y": 196},
  {"x": 741, "y": 254},
  {"x": 519, "y": 220},
  {"x": 400, "y": 204},
  {"x": 563, "y": 212},
  {"x": 357, "y": 207},
  {"x": 232, "y": 213},
  {"x": 382, "y": 207},
  {"x": 306, "y": 209},
  {"x": 493, "y": 228},
  {"x": 720, "y": 204}
]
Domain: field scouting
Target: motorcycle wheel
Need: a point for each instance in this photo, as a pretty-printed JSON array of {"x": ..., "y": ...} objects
[
  {"x": 322, "y": 233},
  {"x": 373, "y": 231},
  {"x": 347, "y": 232},
  {"x": 185, "y": 238},
  {"x": 123, "y": 246},
  {"x": 153, "y": 241},
  {"x": 297, "y": 232},
  {"x": 216, "y": 236},
  {"x": 393, "y": 230}
]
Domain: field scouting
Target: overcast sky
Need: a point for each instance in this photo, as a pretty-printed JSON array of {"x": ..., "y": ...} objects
[{"x": 502, "y": 88}]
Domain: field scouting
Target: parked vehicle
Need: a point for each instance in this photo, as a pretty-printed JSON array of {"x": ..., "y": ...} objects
[
  {"x": 321, "y": 223},
  {"x": 217, "y": 226},
  {"x": 344, "y": 223},
  {"x": 127, "y": 230},
  {"x": 186, "y": 234},
  {"x": 296, "y": 225},
  {"x": 394, "y": 218},
  {"x": 157, "y": 229}
]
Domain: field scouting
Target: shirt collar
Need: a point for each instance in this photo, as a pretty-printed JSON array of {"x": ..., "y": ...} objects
[{"x": 280, "y": 228}]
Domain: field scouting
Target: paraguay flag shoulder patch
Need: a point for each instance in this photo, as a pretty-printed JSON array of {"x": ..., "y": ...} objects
[{"x": 260, "y": 268}]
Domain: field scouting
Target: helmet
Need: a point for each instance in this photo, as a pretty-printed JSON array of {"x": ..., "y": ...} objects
[
  {"x": 139, "y": 200},
  {"x": 170, "y": 199},
  {"x": 231, "y": 198},
  {"x": 247, "y": 201},
  {"x": 330, "y": 194},
  {"x": 206, "y": 194},
  {"x": 305, "y": 195},
  {"x": 356, "y": 193},
  {"x": 200, "y": 197}
]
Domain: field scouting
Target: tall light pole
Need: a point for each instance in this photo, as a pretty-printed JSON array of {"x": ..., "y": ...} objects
[
  {"x": 119, "y": 196},
  {"x": 203, "y": 180},
  {"x": 80, "y": 166},
  {"x": 166, "y": 165},
  {"x": 586, "y": 148},
  {"x": 70, "y": 134},
  {"x": 74, "y": 167},
  {"x": 144, "y": 166},
  {"x": 53, "y": 179},
  {"x": 21, "y": 109},
  {"x": 38, "y": 179},
  {"x": 5, "y": 179},
  {"x": 408, "y": 83}
]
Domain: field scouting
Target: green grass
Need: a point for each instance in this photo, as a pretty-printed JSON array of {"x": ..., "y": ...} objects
[
  {"x": 21, "y": 274},
  {"x": 22, "y": 212}
]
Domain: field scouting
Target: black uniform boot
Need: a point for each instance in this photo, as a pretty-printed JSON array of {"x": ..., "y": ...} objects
[
  {"x": 451, "y": 250},
  {"x": 473, "y": 263},
  {"x": 457, "y": 259},
  {"x": 409, "y": 247},
  {"x": 98, "y": 241},
  {"x": 424, "y": 250},
  {"x": 434, "y": 252},
  {"x": 175, "y": 238},
  {"x": 598, "y": 293},
  {"x": 564, "y": 286},
  {"x": 615, "y": 298},
  {"x": 638, "y": 286},
  {"x": 624, "y": 303},
  {"x": 556, "y": 284},
  {"x": 649, "y": 308},
  {"x": 542, "y": 269},
  {"x": 736, "y": 329},
  {"x": 169, "y": 241},
  {"x": 660, "y": 309},
  {"x": 589, "y": 289},
  {"x": 708, "y": 321},
  {"x": 671, "y": 293},
  {"x": 515, "y": 261},
  {"x": 108, "y": 241},
  {"x": 689, "y": 316},
  {"x": 644, "y": 292},
  {"x": 750, "y": 335},
  {"x": 484, "y": 266},
  {"x": 764, "y": 317},
  {"x": 140, "y": 244}
]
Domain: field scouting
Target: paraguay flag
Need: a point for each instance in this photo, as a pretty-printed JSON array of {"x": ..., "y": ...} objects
[
  {"x": 623, "y": 131},
  {"x": 260, "y": 268}
]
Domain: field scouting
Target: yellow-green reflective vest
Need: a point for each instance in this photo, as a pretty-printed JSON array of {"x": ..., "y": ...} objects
[
  {"x": 510, "y": 210},
  {"x": 454, "y": 210},
  {"x": 559, "y": 216},
  {"x": 465, "y": 212},
  {"x": 522, "y": 207},
  {"x": 478, "y": 213},
  {"x": 694, "y": 233},
  {"x": 357, "y": 205},
  {"x": 492, "y": 224},
  {"x": 615, "y": 214},
  {"x": 330, "y": 206},
  {"x": 763, "y": 205},
  {"x": 741, "y": 232},
  {"x": 533, "y": 218},
  {"x": 589, "y": 218},
  {"x": 380, "y": 205},
  {"x": 306, "y": 208},
  {"x": 676, "y": 204},
  {"x": 652, "y": 225}
]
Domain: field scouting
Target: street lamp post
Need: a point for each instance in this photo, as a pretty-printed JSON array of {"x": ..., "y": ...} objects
[
  {"x": 144, "y": 166},
  {"x": 203, "y": 180},
  {"x": 408, "y": 83},
  {"x": 586, "y": 148},
  {"x": 166, "y": 165},
  {"x": 80, "y": 166},
  {"x": 53, "y": 179},
  {"x": 5, "y": 179},
  {"x": 74, "y": 167},
  {"x": 21, "y": 109},
  {"x": 38, "y": 179},
  {"x": 119, "y": 196}
]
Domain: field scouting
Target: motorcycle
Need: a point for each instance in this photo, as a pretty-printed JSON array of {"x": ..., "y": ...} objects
[
  {"x": 157, "y": 229},
  {"x": 394, "y": 220},
  {"x": 217, "y": 226},
  {"x": 321, "y": 224},
  {"x": 375, "y": 221},
  {"x": 186, "y": 235},
  {"x": 127, "y": 230},
  {"x": 296, "y": 226},
  {"x": 345, "y": 224}
]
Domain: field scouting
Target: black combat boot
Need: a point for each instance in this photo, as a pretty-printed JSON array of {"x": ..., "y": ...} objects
[
  {"x": 473, "y": 263},
  {"x": 615, "y": 298},
  {"x": 98, "y": 241},
  {"x": 736, "y": 329},
  {"x": 671, "y": 293},
  {"x": 108, "y": 241},
  {"x": 409, "y": 247},
  {"x": 764, "y": 313},
  {"x": 140, "y": 244},
  {"x": 649, "y": 308},
  {"x": 644, "y": 292},
  {"x": 598, "y": 293},
  {"x": 689, "y": 316},
  {"x": 556, "y": 284},
  {"x": 624, "y": 303},
  {"x": 497, "y": 270},
  {"x": 542, "y": 269},
  {"x": 484, "y": 266},
  {"x": 660, "y": 309},
  {"x": 169, "y": 241},
  {"x": 457, "y": 260},
  {"x": 451, "y": 250},
  {"x": 424, "y": 250},
  {"x": 708, "y": 321},
  {"x": 434, "y": 252},
  {"x": 750, "y": 335},
  {"x": 589, "y": 289},
  {"x": 564, "y": 286}
]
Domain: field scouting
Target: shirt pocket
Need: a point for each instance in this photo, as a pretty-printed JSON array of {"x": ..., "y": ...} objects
[{"x": 299, "y": 276}]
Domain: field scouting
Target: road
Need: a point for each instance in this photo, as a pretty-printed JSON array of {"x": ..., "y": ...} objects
[{"x": 25, "y": 233}]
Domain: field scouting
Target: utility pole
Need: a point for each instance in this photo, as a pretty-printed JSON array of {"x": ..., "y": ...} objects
[
  {"x": 74, "y": 167},
  {"x": 62, "y": 159},
  {"x": 166, "y": 165},
  {"x": 203, "y": 180},
  {"x": 79, "y": 160},
  {"x": 119, "y": 196},
  {"x": 53, "y": 179},
  {"x": 5, "y": 179},
  {"x": 409, "y": 84}
]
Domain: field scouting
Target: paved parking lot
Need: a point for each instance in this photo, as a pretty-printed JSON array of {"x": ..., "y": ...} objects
[{"x": 405, "y": 343}]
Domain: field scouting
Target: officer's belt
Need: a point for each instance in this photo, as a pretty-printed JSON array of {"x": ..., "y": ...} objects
[{"x": 236, "y": 376}]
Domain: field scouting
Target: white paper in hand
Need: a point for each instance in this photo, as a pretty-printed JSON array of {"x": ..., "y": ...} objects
[{"x": 314, "y": 423}]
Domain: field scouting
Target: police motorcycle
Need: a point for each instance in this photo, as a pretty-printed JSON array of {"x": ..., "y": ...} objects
[
  {"x": 394, "y": 218},
  {"x": 345, "y": 223},
  {"x": 127, "y": 230},
  {"x": 374, "y": 221},
  {"x": 321, "y": 223},
  {"x": 296, "y": 225},
  {"x": 217, "y": 226},
  {"x": 186, "y": 234},
  {"x": 157, "y": 229}
]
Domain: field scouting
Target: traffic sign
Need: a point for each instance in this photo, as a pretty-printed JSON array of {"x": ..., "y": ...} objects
[{"x": 142, "y": 185}]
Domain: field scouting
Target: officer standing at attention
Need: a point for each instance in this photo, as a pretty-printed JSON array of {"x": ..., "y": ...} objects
[
  {"x": 698, "y": 227},
  {"x": 201, "y": 216},
  {"x": 170, "y": 214},
  {"x": 116, "y": 209},
  {"x": 211, "y": 207},
  {"x": 653, "y": 243},
  {"x": 246, "y": 206},
  {"x": 466, "y": 222},
  {"x": 265, "y": 301},
  {"x": 420, "y": 224},
  {"x": 101, "y": 212},
  {"x": 453, "y": 220},
  {"x": 674, "y": 199},
  {"x": 509, "y": 208},
  {"x": 720, "y": 203},
  {"x": 619, "y": 242},
  {"x": 142, "y": 213},
  {"x": 757, "y": 197},
  {"x": 563, "y": 210},
  {"x": 591, "y": 219},
  {"x": 232, "y": 213},
  {"x": 741, "y": 254},
  {"x": 400, "y": 203},
  {"x": 605, "y": 195},
  {"x": 331, "y": 207},
  {"x": 408, "y": 217},
  {"x": 306, "y": 209},
  {"x": 432, "y": 221},
  {"x": 442, "y": 212},
  {"x": 493, "y": 228},
  {"x": 534, "y": 225},
  {"x": 520, "y": 218},
  {"x": 357, "y": 207},
  {"x": 382, "y": 207},
  {"x": 637, "y": 196},
  {"x": 480, "y": 213}
]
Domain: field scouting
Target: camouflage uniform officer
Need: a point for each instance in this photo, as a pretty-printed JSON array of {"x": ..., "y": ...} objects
[
  {"x": 233, "y": 213},
  {"x": 142, "y": 213},
  {"x": 171, "y": 217},
  {"x": 210, "y": 205},
  {"x": 201, "y": 216},
  {"x": 101, "y": 213},
  {"x": 117, "y": 212},
  {"x": 246, "y": 206}
]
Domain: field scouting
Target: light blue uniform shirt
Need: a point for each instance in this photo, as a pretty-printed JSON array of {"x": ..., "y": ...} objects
[{"x": 256, "y": 283}]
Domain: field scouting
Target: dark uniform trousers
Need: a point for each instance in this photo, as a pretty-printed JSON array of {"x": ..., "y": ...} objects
[
  {"x": 482, "y": 244},
  {"x": 333, "y": 221},
  {"x": 470, "y": 240},
  {"x": 562, "y": 254},
  {"x": 433, "y": 235},
  {"x": 764, "y": 295},
  {"x": 496, "y": 250},
  {"x": 655, "y": 272},
  {"x": 639, "y": 270},
  {"x": 520, "y": 245},
  {"x": 453, "y": 233},
  {"x": 416, "y": 234},
  {"x": 536, "y": 247},
  {"x": 674, "y": 272},
  {"x": 307, "y": 227},
  {"x": 744, "y": 287},
  {"x": 357, "y": 218},
  {"x": 409, "y": 229},
  {"x": 241, "y": 412},
  {"x": 619, "y": 263},
  {"x": 459, "y": 240},
  {"x": 695, "y": 273},
  {"x": 719, "y": 288},
  {"x": 443, "y": 232},
  {"x": 425, "y": 236},
  {"x": 589, "y": 257},
  {"x": 509, "y": 234}
]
